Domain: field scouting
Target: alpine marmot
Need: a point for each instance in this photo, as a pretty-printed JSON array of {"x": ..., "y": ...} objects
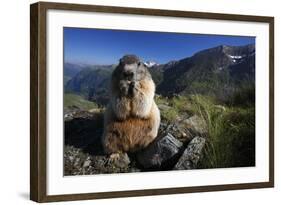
[{"x": 132, "y": 118}]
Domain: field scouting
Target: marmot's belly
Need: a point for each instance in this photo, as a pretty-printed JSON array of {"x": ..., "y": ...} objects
[{"x": 132, "y": 134}]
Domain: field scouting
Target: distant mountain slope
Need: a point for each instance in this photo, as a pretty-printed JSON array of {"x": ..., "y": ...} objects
[
  {"x": 92, "y": 82},
  {"x": 71, "y": 69},
  {"x": 209, "y": 70}
]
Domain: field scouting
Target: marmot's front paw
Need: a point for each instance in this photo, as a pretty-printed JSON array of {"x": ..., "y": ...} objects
[
  {"x": 114, "y": 157},
  {"x": 131, "y": 91},
  {"x": 124, "y": 87}
]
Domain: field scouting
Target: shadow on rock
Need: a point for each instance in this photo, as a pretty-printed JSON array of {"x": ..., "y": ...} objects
[{"x": 84, "y": 130}]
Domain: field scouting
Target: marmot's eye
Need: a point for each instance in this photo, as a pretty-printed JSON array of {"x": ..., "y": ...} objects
[{"x": 139, "y": 63}]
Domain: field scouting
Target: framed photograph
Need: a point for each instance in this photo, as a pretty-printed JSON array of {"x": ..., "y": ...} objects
[{"x": 135, "y": 102}]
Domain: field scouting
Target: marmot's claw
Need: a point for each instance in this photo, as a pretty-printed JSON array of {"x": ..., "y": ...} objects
[{"x": 114, "y": 157}]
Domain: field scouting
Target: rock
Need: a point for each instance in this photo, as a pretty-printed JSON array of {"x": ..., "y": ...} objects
[
  {"x": 87, "y": 163},
  {"x": 76, "y": 162},
  {"x": 135, "y": 169},
  {"x": 96, "y": 110},
  {"x": 220, "y": 107},
  {"x": 164, "y": 107},
  {"x": 122, "y": 161},
  {"x": 196, "y": 124},
  {"x": 84, "y": 131},
  {"x": 183, "y": 134},
  {"x": 185, "y": 127},
  {"x": 71, "y": 158},
  {"x": 178, "y": 129},
  {"x": 191, "y": 155},
  {"x": 159, "y": 152},
  {"x": 84, "y": 155}
]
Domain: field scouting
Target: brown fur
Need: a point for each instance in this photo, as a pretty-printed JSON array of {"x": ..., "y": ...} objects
[{"x": 131, "y": 121}]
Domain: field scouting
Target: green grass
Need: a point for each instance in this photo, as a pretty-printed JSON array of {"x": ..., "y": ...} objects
[
  {"x": 230, "y": 126},
  {"x": 244, "y": 96},
  {"x": 177, "y": 105},
  {"x": 180, "y": 103},
  {"x": 169, "y": 115},
  {"x": 161, "y": 100},
  {"x": 78, "y": 101},
  {"x": 231, "y": 134}
]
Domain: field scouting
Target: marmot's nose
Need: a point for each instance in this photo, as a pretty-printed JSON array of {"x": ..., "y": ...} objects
[{"x": 129, "y": 75}]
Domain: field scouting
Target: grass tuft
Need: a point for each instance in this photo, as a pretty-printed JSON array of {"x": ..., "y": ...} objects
[{"x": 231, "y": 134}]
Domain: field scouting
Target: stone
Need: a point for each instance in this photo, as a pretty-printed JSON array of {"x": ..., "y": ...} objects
[
  {"x": 82, "y": 163},
  {"x": 191, "y": 155},
  {"x": 71, "y": 158},
  {"x": 160, "y": 151},
  {"x": 183, "y": 134},
  {"x": 220, "y": 107},
  {"x": 196, "y": 124},
  {"x": 96, "y": 110},
  {"x": 122, "y": 161},
  {"x": 164, "y": 107},
  {"x": 87, "y": 163}
]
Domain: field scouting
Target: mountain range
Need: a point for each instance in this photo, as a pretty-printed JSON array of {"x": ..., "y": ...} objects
[{"x": 211, "y": 71}]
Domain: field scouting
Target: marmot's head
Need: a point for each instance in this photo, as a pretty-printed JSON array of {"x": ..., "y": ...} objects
[
  {"x": 130, "y": 68},
  {"x": 128, "y": 73}
]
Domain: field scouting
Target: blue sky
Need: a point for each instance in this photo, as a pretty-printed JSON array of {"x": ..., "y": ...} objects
[{"x": 95, "y": 46}]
